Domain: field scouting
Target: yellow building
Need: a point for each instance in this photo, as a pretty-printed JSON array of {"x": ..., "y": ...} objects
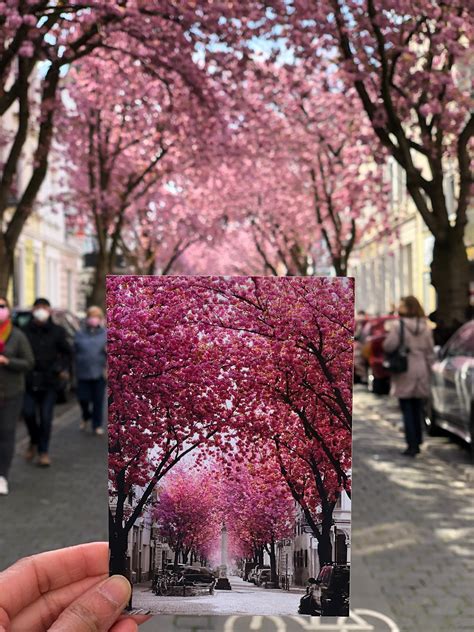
[{"x": 386, "y": 268}]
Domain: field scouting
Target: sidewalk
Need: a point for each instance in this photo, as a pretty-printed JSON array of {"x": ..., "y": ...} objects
[{"x": 58, "y": 506}]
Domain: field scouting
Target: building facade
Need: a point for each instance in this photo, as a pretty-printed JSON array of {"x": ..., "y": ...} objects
[{"x": 388, "y": 267}]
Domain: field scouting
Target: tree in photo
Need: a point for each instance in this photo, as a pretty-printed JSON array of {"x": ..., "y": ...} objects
[
  {"x": 188, "y": 513},
  {"x": 259, "y": 509}
]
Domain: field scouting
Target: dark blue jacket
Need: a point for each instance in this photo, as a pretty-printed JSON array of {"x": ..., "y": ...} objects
[{"x": 90, "y": 348}]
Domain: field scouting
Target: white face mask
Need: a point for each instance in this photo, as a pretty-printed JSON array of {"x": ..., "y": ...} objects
[{"x": 41, "y": 315}]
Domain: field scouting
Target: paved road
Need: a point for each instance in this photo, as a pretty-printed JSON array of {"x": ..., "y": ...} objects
[
  {"x": 413, "y": 526},
  {"x": 244, "y": 598}
]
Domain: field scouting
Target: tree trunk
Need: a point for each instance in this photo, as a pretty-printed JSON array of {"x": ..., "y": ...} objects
[
  {"x": 176, "y": 557},
  {"x": 6, "y": 265},
  {"x": 340, "y": 266},
  {"x": 102, "y": 269},
  {"x": 273, "y": 565},
  {"x": 118, "y": 551},
  {"x": 324, "y": 543},
  {"x": 450, "y": 278}
]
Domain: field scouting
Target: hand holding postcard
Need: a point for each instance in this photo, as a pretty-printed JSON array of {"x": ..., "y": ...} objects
[{"x": 230, "y": 409}]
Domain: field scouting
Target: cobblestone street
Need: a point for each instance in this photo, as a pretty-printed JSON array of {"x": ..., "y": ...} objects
[
  {"x": 413, "y": 525},
  {"x": 244, "y": 598}
]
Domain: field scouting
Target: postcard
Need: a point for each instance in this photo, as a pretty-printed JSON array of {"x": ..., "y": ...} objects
[{"x": 230, "y": 411}]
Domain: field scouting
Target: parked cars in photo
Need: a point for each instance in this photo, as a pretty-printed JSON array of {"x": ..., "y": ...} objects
[
  {"x": 263, "y": 576},
  {"x": 253, "y": 575},
  {"x": 331, "y": 591},
  {"x": 71, "y": 323},
  {"x": 451, "y": 405},
  {"x": 193, "y": 576}
]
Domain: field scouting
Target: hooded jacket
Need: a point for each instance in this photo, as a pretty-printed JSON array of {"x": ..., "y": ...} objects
[{"x": 415, "y": 382}]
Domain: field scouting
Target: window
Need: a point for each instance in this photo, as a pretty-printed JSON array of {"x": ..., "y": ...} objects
[
  {"x": 462, "y": 343},
  {"x": 306, "y": 558}
]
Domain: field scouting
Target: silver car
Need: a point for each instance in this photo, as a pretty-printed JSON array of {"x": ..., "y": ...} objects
[{"x": 452, "y": 387}]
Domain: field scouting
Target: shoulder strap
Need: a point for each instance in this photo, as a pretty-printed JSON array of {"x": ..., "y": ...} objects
[{"x": 402, "y": 332}]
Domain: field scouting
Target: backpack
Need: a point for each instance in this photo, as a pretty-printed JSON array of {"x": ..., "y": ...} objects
[{"x": 397, "y": 361}]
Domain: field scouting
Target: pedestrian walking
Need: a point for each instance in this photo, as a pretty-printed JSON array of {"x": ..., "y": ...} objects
[
  {"x": 412, "y": 386},
  {"x": 90, "y": 354},
  {"x": 52, "y": 354},
  {"x": 16, "y": 358}
]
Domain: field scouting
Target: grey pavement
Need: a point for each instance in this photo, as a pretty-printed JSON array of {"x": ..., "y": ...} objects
[{"x": 413, "y": 526}]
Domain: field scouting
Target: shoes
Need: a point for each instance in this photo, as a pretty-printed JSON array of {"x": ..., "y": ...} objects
[
  {"x": 30, "y": 452},
  {"x": 83, "y": 425},
  {"x": 44, "y": 460},
  {"x": 99, "y": 431},
  {"x": 411, "y": 452},
  {"x": 3, "y": 486}
]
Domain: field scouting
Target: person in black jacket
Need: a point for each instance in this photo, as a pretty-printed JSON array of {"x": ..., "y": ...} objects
[
  {"x": 52, "y": 355},
  {"x": 16, "y": 359}
]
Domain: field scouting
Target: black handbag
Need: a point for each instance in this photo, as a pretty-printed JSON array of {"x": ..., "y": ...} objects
[{"x": 397, "y": 361}]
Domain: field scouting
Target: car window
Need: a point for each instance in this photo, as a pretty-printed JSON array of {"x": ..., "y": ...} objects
[{"x": 462, "y": 343}]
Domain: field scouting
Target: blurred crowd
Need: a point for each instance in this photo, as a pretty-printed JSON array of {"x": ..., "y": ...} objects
[{"x": 39, "y": 362}]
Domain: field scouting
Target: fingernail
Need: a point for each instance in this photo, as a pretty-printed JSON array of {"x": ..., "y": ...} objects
[{"x": 116, "y": 589}]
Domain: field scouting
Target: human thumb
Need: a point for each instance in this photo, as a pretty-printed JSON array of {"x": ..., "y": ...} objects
[{"x": 97, "y": 609}]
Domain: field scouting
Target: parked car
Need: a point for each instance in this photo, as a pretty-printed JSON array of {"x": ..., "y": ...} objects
[
  {"x": 254, "y": 573},
  {"x": 192, "y": 576},
  {"x": 71, "y": 323},
  {"x": 331, "y": 591},
  {"x": 451, "y": 405},
  {"x": 263, "y": 576},
  {"x": 249, "y": 566},
  {"x": 170, "y": 568},
  {"x": 369, "y": 355}
]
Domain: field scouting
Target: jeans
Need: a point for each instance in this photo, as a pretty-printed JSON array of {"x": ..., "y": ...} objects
[
  {"x": 92, "y": 392},
  {"x": 41, "y": 402},
  {"x": 412, "y": 411},
  {"x": 10, "y": 410}
]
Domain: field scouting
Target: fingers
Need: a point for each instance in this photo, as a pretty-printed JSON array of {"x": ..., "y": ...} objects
[
  {"x": 43, "y": 612},
  {"x": 98, "y": 609},
  {"x": 27, "y": 580},
  {"x": 126, "y": 625}
]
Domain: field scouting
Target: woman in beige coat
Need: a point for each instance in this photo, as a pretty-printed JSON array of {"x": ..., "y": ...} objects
[{"x": 413, "y": 386}]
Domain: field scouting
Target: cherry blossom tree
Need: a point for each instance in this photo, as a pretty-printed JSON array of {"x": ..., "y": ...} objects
[
  {"x": 259, "y": 509},
  {"x": 407, "y": 62},
  {"x": 188, "y": 513},
  {"x": 42, "y": 41},
  {"x": 125, "y": 139},
  {"x": 226, "y": 368},
  {"x": 168, "y": 394},
  {"x": 299, "y": 335}
]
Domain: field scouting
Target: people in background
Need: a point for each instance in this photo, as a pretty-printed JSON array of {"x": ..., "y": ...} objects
[
  {"x": 16, "y": 358},
  {"x": 90, "y": 354},
  {"x": 52, "y": 355},
  {"x": 413, "y": 386}
]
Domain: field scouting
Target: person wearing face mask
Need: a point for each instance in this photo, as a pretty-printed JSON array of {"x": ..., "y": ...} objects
[
  {"x": 16, "y": 358},
  {"x": 52, "y": 354},
  {"x": 90, "y": 354}
]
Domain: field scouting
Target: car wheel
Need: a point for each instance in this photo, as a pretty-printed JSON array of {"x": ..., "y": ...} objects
[{"x": 430, "y": 420}]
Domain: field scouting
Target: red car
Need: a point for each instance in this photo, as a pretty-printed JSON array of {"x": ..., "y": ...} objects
[{"x": 369, "y": 354}]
